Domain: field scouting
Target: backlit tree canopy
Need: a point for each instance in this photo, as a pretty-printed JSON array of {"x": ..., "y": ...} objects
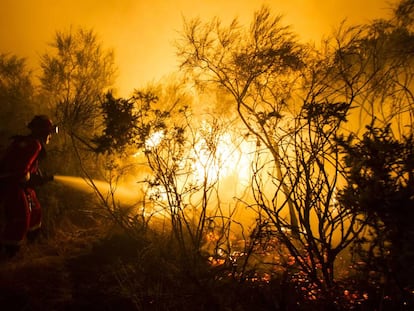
[
  {"x": 16, "y": 95},
  {"x": 76, "y": 73}
]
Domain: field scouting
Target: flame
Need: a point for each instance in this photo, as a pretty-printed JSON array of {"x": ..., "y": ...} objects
[
  {"x": 212, "y": 163},
  {"x": 154, "y": 140},
  {"x": 227, "y": 158}
]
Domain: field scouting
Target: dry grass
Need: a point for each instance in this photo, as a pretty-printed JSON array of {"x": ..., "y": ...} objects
[{"x": 98, "y": 266}]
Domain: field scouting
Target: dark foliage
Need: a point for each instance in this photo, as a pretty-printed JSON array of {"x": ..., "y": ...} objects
[
  {"x": 119, "y": 124},
  {"x": 381, "y": 186},
  {"x": 128, "y": 122}
]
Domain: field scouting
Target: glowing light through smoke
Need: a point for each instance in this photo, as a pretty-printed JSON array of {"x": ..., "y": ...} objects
[
  {"x": 154, "y": 140},
  {"x": 225, "y": 156},
  {"x": 227, "y": 159},
  {"x": 145, "y": 55}
]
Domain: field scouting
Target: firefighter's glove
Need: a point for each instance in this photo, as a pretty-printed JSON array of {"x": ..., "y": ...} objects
[
  {"x": 35, "y": 180},
  {"x": 48, "y": 178},
  {"x": 39, "y": 179}
]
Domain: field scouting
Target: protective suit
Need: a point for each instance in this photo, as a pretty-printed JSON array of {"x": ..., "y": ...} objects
[{"x": 19, "y": 174}]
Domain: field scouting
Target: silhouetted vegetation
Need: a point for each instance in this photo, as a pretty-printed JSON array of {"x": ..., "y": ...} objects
[
  {"x": 380, "y": 186},
  {"x": 323, "y": 218},
  {"x": 16, "y": 96}
]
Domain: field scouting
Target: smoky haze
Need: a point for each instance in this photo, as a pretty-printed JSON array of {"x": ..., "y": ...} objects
[{"x": 141, "y": 32}]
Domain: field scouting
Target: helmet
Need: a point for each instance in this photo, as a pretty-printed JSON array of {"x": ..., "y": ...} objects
[{"x": 41, "y": 125}]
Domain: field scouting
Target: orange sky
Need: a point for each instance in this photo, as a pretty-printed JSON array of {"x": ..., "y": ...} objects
[{"x": 141, "y": 31}]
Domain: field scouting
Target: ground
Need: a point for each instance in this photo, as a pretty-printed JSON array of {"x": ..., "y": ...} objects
[{"x": 75, "y": 273}]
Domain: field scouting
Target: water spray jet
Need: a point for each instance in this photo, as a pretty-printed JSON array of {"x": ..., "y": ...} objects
[{"x": 124, "y": 195}]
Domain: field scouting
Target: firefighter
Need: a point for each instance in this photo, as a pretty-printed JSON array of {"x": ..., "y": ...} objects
[{"x": 19, "y": 173}]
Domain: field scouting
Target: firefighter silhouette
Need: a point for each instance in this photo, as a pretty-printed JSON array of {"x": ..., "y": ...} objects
[{"x": 20, "y": 209}]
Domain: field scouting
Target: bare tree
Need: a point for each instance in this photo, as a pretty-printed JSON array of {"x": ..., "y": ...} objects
[
  {"x": 246, "y": 65},
  {"x": 75, "y": 74},
  {"x": 179, "y": 160},
  {"x": 17, "y": 95},
  {"x": 293, "y": 100}
]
